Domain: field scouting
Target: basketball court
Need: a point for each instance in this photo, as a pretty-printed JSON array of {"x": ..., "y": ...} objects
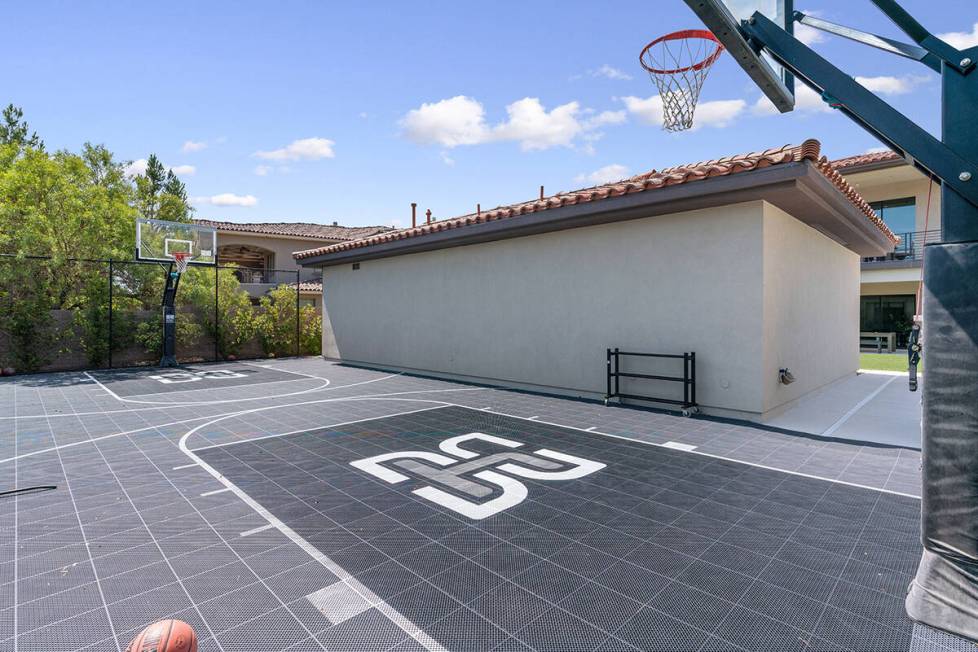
[{"x": 309, "y": 505}]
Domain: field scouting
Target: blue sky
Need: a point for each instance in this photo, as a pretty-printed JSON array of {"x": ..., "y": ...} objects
[{"x": 323, "y": 111}]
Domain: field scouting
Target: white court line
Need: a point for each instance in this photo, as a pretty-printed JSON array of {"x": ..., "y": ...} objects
[
  {"x": 679, "y": 446},
  {"x": 296, "y": 432},
  {"x": 95, "y": 439},
  {"x": 622, "y": 437},
  {"x": 183, "y": 466},
  {"x": 216, "y": 491},
  {"x": 179, "y": 403},
  {"x": 256, "y": 530},
  {"x": 396, "y": 617},
  {"x": 287, "y": 371},
  {"x": 241, "y": 412},
  {"x": 191, "y": 388},
  {"x": 858, "y": 406}
]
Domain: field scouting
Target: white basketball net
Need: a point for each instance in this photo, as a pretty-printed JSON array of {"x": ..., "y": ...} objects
[
  {"x": 181, "y": 261},
  {"x": 679, "y": 64}
]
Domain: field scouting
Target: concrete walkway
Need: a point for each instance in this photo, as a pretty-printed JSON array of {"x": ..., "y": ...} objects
[{"x": 871, "y": 406}]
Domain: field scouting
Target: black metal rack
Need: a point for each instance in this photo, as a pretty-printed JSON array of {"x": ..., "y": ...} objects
[{"x": 688, "y": 403}]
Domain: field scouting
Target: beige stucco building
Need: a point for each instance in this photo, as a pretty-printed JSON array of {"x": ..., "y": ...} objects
[
  {"x": 750, "y": 261},
  {"x": 889, "y": 284},
  {"x": 262, "y": 251}
]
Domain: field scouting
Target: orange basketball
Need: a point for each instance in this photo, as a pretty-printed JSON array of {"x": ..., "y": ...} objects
[{"x": 165, "y": 636}]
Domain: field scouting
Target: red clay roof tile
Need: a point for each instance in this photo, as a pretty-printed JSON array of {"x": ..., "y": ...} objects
[
  {"x": 868, "y": 158},
  {"x": 680, "y": 174},
  {"x": 298, "y": 229}
]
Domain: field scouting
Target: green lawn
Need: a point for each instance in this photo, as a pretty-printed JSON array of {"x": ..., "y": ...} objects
[{"x": 886, "y": 361}]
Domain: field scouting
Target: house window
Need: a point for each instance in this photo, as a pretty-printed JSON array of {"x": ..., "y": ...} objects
[
  {"x": 307, "y": 302},
  {"x": 899, "y": 214},
  {"x": 887, "y": 314}
]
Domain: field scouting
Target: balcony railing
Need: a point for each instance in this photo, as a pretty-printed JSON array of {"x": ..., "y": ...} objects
[
  {"x": 252, "y": 275},
  {"x": 910, "y": 248}
]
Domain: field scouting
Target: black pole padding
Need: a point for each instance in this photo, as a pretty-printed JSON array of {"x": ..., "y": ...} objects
[
  {"x": 298, "y": 321},
  {"x": 111, "y": 273}
]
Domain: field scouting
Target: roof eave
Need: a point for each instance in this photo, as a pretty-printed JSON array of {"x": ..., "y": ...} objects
[
  {"x": 869, "y": 167},
  {"x": 777, "y": 184}
]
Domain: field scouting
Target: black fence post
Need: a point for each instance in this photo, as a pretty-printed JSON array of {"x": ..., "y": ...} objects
[
  {"x": 607, "y": 393},
  {"x": 298, "y": 321},
  {"x": 692, "y": 376},
  {"x": 217, "y": 323},
  {"x": 111, "y": 272}
]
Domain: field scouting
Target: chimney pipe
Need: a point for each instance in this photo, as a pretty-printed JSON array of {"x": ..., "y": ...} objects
[
  {"x": 478, "y": 210},
  {"x": 414, "y": 215},
  {"x": 541, "y": 192},
  {"x": 428, "y": 215}
]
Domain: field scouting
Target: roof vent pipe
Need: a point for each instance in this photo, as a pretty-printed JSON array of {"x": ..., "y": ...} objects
[
  {"x": 428, "y": 215},
  {"x": 541, "y": 193},
  {"x": 414, "y": 215},
  {"x": 478, "y": 210}
]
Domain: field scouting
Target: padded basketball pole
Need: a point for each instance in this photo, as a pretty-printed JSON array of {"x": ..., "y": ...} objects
[
  {"x": 170, "y": 318},
  {"x": 944, "y": 593}
]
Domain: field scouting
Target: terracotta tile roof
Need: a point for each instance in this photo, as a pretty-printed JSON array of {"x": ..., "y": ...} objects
[
  {"x": 298, "y": 229},
  {"x": 869, "y": 158},
  {"x": 309, "y": 286},
  {"x": 650, "y": 181}
]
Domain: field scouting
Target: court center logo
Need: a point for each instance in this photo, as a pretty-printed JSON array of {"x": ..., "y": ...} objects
[
  {"x": 452, "y": 470},
  {"x": 194, "y": 376}
]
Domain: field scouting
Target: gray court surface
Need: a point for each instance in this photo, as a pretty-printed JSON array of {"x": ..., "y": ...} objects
[
  {"x": 188, "y": 378},
  {"x": 353, "y": 509}
]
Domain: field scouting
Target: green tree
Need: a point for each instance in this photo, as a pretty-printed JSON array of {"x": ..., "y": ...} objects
[
  {"x": 276, "y": 322},
  {"x": 235, "y": 316},
  {"x": 160, "y": 193},
  {"x": 14, "y": 130}
]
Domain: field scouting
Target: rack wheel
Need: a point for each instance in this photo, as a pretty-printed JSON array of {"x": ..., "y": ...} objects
[{"x": 690, "y": 411}]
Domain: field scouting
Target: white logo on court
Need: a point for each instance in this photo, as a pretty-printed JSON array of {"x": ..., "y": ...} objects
[
  {"x": 450, "y": 470},
  {"x": 194, "y": 376}
]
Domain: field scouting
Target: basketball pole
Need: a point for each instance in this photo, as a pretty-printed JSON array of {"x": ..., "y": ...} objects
[
  {"x": 169, "y": 358},
  {"x": 944, "y": 593}
]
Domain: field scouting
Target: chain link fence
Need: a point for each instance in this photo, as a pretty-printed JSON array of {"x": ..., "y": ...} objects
[{"x": 74, "y": 314}]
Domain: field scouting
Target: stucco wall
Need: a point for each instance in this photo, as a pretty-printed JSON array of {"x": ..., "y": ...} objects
[
  {"x": 811, "y": 308},
  {"x": 873, "y": 191},
  {"x": 539, "y": 311}
]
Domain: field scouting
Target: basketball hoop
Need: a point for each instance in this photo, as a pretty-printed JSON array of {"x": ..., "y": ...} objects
[
  {"x": 678, "y": 64},
  {"x": 181, "y": 259}
]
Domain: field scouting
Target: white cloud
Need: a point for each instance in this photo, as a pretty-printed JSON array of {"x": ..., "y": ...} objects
[
  {"x": 263, "y": 170},
  {"x": 877, "y": 150},
  {"x": 610, "y": 72},
  {"x": 536, "y": 128},
  {"x": 193, "y": 146},
  {"x": 446, "y": 159},
  {"x": 226, "y": 199},
  {"x": 605, "y": 118},
  {"x": 961, "y": 40},
  {"x": 716, "y": 113},
  {"x": 309, "y": 149},
  {"x": 808, "y": 35},
  {"x": 136, "y": 168},
  {"x": 459, "y": 120},
  {"x": 607, "y": 174},
  {"x": 887, "y": 85}
]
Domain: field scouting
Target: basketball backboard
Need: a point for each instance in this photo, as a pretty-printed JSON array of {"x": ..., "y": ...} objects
[
  {"x": 723, "y": 18},
  {"x": 159, "y": 240}
]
